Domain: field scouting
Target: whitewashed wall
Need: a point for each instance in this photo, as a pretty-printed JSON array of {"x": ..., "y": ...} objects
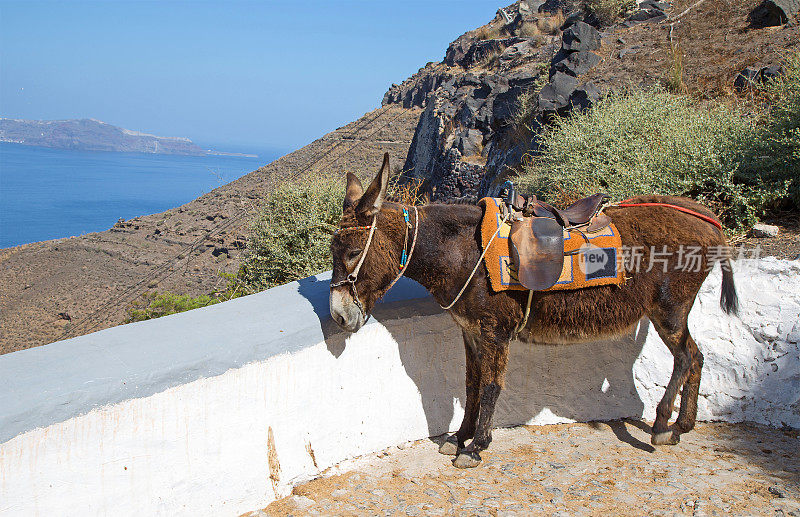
[{"x": 220, "y": 410}]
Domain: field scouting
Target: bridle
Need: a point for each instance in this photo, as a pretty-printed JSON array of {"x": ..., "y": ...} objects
[{"x": 405, "y": 258}]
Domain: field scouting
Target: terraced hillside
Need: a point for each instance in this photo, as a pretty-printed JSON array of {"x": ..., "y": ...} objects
[{"x": 67, "y": 287}]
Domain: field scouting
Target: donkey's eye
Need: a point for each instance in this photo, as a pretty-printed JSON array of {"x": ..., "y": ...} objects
[{"x": 353, "y": 254}]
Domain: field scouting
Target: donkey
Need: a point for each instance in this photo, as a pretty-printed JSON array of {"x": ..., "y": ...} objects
[{"x": 373, "y": 242}]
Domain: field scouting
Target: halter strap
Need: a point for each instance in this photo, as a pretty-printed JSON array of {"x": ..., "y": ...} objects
[{"x": 352, "y": 277}]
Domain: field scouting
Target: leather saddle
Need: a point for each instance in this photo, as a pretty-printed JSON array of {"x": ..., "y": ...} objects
[{"x": 537, "y": 235}]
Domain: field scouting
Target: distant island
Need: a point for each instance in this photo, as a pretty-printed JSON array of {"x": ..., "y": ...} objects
[{"x": 95, "y": 135}]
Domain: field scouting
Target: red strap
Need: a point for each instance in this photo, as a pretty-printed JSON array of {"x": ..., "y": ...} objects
[{"x": 626, "y": 204}]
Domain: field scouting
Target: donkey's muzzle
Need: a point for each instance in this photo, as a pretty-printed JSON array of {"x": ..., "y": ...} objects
[{"x": 344, "y": 310}]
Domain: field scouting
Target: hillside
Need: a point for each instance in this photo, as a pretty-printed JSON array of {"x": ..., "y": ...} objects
[
  {"x": 452, "y": 125},
  {"x": 91, "y": 135},
  {"x": 47, "y": 289}
]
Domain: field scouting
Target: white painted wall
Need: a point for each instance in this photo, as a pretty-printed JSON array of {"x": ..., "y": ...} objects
[{"x": 174, "y": 416}]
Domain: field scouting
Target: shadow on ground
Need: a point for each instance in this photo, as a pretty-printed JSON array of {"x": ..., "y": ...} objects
[{"x": 580, "y": 382}]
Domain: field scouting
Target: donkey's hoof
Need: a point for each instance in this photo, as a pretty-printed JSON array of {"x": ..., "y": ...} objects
[
  {"x": 449, "y": 447},
  {"x": 467, "y": 460},
  {"x": 665, "y": 438}
]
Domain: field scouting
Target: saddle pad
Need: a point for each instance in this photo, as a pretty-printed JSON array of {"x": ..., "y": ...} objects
[{"x": 594, "y": 264}]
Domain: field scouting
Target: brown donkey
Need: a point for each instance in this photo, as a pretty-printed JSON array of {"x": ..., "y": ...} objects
[{"x": 444, "y": 243}]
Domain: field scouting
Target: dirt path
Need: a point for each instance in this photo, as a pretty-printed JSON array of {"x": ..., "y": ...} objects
[{"x": 570, "y": 469}]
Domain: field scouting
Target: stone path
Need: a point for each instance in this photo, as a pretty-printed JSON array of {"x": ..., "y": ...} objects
[{"x": 570, "y": 469}]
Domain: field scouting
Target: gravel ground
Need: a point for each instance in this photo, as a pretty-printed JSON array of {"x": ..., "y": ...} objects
[{"x": 592, "y": 469}]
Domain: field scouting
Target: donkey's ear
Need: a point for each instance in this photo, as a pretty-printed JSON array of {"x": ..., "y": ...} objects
[
  {"x": 372, "y": 199},
  {"x": 354, "y": 191}
]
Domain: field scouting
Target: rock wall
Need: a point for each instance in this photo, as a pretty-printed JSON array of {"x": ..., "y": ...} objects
[
  {"x": 475, "y": 128},
  {"x": 264, "y": 391}
]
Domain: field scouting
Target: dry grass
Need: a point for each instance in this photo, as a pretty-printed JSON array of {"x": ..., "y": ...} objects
[
  {"x": 544, "y": 26},
  {"x": 674, "y": 81},
  {"x": 490, "y": 31},
  {"x": 607, "y": 11},
  {"x": 409, "y": 192}
]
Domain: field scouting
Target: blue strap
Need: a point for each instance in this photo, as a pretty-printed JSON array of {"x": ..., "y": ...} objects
[{"x": 404, "y": 256}]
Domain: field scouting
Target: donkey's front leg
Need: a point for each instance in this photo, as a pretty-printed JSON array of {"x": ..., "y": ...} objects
[
  {"x": 493, "y": 359},
  {"x": 455, "y": 442}
]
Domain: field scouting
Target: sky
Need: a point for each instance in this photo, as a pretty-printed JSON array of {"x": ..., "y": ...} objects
[{"x": 267, "y": 75}]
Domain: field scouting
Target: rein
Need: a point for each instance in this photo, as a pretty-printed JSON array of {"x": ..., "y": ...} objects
[
  {"x": 405, "y": 258},
  {"x": 627, "y": 204}
]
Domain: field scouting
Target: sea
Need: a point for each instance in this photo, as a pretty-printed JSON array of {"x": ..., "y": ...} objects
[{"x": 53, "y": 193}]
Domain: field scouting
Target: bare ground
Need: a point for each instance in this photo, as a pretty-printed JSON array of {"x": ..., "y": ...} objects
[
  {"x": 714, "y": 41},
  {"x": 595, "y": 469},
  {"x": 67, "y": 287}
]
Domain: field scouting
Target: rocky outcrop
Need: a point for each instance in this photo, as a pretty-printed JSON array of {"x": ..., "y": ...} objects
[
  {"x": 413, "y": 92},
  {"x": 471, "y": 131},
  {"x": 461, "y": 119},
  {"x": 648, "y": 11}
]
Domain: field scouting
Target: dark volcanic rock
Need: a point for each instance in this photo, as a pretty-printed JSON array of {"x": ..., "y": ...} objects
[
  {"x": 413, "y": 92},
  {"x": 583, "y": 98},
  {"x": 647, "y": 15},
  {"x": 555, "y": 95},
  {"x": 469, "y": 142},
  {"x": 458, "y": 49},
  {"x": 752, "y": 76},
  {"x": 746, "y": 78},
  {"x": 481, "y": 51},
  {"x": 575, "y": 63},
  {"x": 774, "y": 12},
  {"x": 580, "y": 36}
]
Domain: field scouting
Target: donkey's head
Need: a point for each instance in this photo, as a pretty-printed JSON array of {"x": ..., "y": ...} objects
[{"x": 366, "y": 250}]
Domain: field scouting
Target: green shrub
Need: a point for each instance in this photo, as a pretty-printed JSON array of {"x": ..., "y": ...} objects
[
  {"x": 774, "y": 157},
  {"x": 154, "y": 305},
  {"x": 651, "y": 142},
  {"x": 291, "y": 239}
]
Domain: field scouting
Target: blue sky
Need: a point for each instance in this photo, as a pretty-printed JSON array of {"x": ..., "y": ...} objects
[{"x": 262, "y": 74}]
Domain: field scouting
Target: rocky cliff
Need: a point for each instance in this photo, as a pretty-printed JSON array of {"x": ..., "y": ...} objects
[
  {"x": 498, "y": 86},
  {"x": 91, "y": 135}
]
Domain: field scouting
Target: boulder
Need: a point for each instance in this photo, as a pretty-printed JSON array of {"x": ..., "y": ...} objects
[
  {"x": 647, "y": 15},
  {"x": 459, "y": 48},
  {"x": 774, "y": 12},
  {"x": 504, "y": 108},
  {"x": 583, "y": 98},
  {"x": 764, "y": 230},
  {"x": 580, "y": 37},
  {"x": 746, "y": 78},
  {"x": 575, "y": 63},
  {"x": 553, "y": 6},
  {"x": 569, "y": 21},
  {"x": 469, "y": 142},
  {"x": 771, "y": 72},
  {"x": 517, "y": 51},
  {"x": 556, "y": 94},
  {"x": 751, "y": 76}
]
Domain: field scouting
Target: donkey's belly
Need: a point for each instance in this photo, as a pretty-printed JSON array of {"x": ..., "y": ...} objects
[{"x": 560, "y": 317}]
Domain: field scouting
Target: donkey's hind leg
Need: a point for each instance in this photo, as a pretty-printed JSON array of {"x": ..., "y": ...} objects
[
  {"x": 687, "y": 365},
  {"x": 688, "y": 412},
  {"x": 455, "y": 442}
]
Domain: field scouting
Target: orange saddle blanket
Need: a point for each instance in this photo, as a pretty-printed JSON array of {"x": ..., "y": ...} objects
[{"x": 598, "y": 262}]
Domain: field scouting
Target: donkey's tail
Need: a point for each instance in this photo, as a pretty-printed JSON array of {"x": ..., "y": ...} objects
[{"x": 728, "y": 300}]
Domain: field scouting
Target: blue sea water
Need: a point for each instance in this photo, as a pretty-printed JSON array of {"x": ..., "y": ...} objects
[{"x": 52, "y": 193}]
